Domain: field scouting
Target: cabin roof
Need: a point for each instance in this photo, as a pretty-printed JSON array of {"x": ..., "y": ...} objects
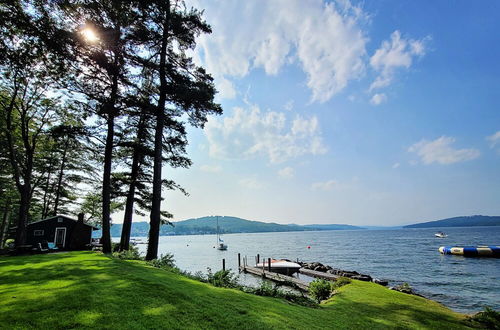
[{"x": 61, "y": 216}]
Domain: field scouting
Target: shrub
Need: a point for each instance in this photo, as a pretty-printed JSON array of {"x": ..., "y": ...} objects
[
  {"x": 269, "y": 290},
  {"x": 341, "y": 281},
  {"x": 164, "y": 261},
  {"x": 223, "y": 278},
  {"x": 320, "y": 289},
  {"x": 488, "y": 318},
  {"x": 266, "y": 289},
  {"x": 131, "y": 254},
  {"x": 9, "y": 243}
]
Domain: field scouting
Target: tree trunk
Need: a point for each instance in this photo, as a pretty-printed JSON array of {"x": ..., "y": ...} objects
[
  {"x": 155, "y": 216},
  {"x": 5, "y": 221},
  {"x": 59, "y": 179},
  {"x": 106, "y": 187},
  {"x": 129, "y": 204},
  {"x": 22, "y": 221}
]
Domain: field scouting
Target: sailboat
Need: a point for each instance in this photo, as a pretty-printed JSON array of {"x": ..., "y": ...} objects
[{"x": 220, "y": 242}]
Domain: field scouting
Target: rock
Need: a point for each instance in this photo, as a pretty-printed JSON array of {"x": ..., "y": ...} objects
[
  {"x": 365, "y": 278},
  {"x": 381, "y": 282},
  {"x": 320, "y": 268}
]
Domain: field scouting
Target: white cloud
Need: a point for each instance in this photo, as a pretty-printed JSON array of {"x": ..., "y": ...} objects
[
  {"x": 440, "y": 151},
  {"x": 393, "y": 55},
  {"x": 395, "y": 165},
  {"x": 378, "y": 99},
  {"x": 286, "y": 173},
  {"x": 325, "y": 186},
  {"x": 249, "y": 133},
  {"x": 289, "y": 105},
  {"x": 211, "y": 169},
  {"x": 251, "y": 183},
  {"x": 494, "y": 139},
  {"x": 325, "y": 39}
]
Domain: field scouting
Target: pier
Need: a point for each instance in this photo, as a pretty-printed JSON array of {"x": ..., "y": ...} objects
[{"x": 283, "y": 279}]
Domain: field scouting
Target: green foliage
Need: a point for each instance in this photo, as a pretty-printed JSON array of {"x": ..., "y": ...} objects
[
  {"x": 489, "y": 319},
  {"x": 9, "y": 243},
  {"x": 320, "y": 289},
  {"x": 131, "y": 254},
  {"x": 223, "y": 278},
  {"x": 267, "y": 289},
  {"x": 341, "y": 281},
  {"x": 164, "y": 261}
]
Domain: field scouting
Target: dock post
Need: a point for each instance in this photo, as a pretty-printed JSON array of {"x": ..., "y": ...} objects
[
  {"x": 269, "y": 264},
  {"x": 258, "y": 258},
  {"x": 239, "y": 261},
  {"x": 223, "y": 264}
]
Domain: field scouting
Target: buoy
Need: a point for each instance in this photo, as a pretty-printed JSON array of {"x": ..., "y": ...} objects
[{"x": 308, "y": 246}]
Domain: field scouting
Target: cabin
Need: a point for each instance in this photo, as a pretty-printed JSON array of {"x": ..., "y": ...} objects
[{"x": 67, "y": 233}]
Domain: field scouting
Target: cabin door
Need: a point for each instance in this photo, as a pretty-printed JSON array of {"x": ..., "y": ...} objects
[{"x": 60, "y": 238}]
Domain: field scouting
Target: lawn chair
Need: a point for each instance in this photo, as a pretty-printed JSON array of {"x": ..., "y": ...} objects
[
  {"x": 52, "y": 246},
  {"x": 39, "y": 248}
]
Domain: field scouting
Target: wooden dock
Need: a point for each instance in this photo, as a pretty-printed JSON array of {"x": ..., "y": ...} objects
[
  {"x": 313, "y": 273},
  {"x": 302, "y": 285}
]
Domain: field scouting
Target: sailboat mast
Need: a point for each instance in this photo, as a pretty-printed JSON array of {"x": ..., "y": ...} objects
[{"x": 217, "y": 229}]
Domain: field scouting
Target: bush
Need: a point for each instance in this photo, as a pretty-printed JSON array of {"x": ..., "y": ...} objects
[
  {"x": 489, "y": 319},
  {"x": 164, "y": 261},
  {"x": 266, "y": 289},
  {"x": 10, "y": 243},
  {"x": 269, "y": 290},
  {"x": 320, "y": 289},
  {"x": 131, "y": 254},
  {"x": 223, "y": 278},
  {"x": 341, "y": 281}
]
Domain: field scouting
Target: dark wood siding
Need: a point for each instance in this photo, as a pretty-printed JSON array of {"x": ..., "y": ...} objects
[{"x": 78, "y": 236}]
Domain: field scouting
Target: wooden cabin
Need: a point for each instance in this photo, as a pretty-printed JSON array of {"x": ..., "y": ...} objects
[{"x": 65, "y": 232}]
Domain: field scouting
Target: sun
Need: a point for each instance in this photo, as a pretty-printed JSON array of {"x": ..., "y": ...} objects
[{"x": 89, "y": 35}]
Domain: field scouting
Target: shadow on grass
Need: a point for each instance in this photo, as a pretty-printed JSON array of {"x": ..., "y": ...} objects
[{"x": 87, "y": 290}]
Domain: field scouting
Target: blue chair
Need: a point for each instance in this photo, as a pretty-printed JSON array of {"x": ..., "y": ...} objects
[{"x": 52, "y": 246}]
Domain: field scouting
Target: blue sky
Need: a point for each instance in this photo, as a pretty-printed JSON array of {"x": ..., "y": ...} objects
[{"x": 367, "y": 113}]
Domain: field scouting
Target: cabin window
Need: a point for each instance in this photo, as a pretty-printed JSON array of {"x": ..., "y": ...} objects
[
  {"x": 38, "y": 232},
  {"x": 59, "y": 219}
]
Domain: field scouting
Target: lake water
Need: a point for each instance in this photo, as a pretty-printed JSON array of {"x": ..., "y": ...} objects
[{"x": 406, "y": 255}]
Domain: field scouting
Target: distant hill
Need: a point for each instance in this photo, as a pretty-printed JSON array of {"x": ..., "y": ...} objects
[
  {"x": 466, "y": 221},
  {"x": 332, "y": 227},
  {"x": 208, "y": 225}
]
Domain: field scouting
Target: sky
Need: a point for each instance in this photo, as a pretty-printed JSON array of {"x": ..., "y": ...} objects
[{"x": 363, "y": 112}]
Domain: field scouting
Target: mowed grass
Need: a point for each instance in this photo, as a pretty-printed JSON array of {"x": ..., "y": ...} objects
[{"x": 90, "y": 290}]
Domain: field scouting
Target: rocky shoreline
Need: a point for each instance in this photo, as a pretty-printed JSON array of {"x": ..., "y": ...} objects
[{"x": 319, "y": 267}]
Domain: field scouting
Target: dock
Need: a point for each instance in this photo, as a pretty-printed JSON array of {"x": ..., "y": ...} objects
[
  {"x": 313, "y": 273},
  {"x": 284, "y": 279}
]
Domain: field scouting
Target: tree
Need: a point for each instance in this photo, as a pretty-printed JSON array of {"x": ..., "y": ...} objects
[
  {"x": 29, "y": 69},
  {"x": 101, "y": 73},
  {"x": 184, "y": 89}
]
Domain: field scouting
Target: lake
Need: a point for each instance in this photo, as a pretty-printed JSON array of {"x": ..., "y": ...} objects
[{"x": 406, "y": 255}]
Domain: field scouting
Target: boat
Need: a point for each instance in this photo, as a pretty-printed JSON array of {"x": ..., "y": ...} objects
[
  {"x": 472, "y": 251},
  {"x": 220, "y": 242},
  {"x": 281, "y": 266},
  {"x": 440, "y": 234},
  {"x": 135, "y": 241}
]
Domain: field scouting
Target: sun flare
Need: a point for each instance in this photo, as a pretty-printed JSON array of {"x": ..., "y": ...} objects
[{"x": 89, "y": 35}]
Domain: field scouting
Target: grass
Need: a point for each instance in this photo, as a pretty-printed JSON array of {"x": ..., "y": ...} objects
[{"x": 89, "y": 290}]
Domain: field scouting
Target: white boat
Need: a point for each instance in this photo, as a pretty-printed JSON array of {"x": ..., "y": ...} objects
[
  {"x": 440, "y": 234},
  {"x": 220, "y": 242},
  {"x": 135, "y": 241},
  {"x": 280, "y": 266}
]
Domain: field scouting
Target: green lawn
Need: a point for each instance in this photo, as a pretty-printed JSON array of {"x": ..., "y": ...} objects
[{"x": 89, "y": 290}]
